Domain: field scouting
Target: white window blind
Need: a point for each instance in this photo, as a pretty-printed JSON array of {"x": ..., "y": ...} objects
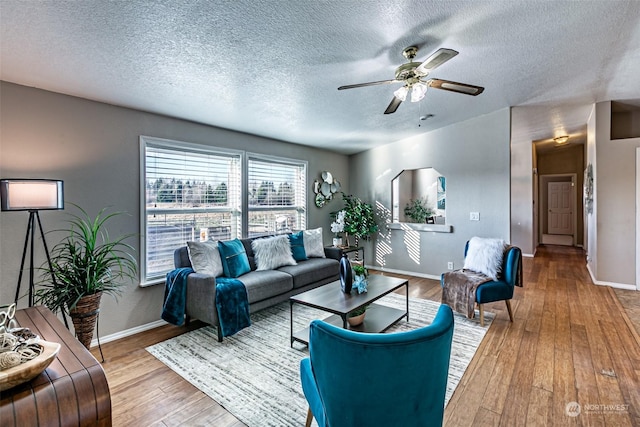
[
  {"x": 191, "y": 193},
  {"x": 276, "y": 195}
]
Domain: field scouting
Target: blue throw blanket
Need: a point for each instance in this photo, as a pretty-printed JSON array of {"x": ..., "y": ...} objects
[
  {"x": 175, "y": 296},
  {"x": 232, "y": 305}
]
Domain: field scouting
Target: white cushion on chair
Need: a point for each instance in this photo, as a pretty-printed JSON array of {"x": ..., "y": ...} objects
[{"x": 485, "y": 256}]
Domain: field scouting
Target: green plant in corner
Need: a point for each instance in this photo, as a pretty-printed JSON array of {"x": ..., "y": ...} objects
[
  {"x": 418, "y": 210},
  {"x": 86, "y": 263},
  {"x": 359, "y": 219}
]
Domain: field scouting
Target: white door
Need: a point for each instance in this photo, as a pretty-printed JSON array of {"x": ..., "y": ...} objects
[{"x": 560, "y": 212}]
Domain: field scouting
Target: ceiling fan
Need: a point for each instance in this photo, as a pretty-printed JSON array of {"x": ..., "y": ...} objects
[{"x": 412, "y": 75}]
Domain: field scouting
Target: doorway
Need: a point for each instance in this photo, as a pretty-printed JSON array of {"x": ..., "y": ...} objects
[{"x": 558, "y": 211}]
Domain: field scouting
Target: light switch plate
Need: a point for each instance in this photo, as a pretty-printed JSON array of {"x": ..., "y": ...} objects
[{"x": 474, "y": 216}]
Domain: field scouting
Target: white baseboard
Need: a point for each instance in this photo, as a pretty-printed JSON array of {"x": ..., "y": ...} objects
[
  {"x": 406, "y": 273},
  {"x": 626, "y": 286},
  {"x": 128, "y": 332}
]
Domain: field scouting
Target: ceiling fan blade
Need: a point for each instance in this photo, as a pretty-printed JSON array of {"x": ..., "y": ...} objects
[
  {"x": 393, "y": 106},
  {"x": 456, "y": 87},
  {"x": 438, "y": 58},
  {"x": 382, "y": 82}
]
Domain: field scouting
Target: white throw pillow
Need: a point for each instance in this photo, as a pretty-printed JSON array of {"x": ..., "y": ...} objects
[
  {"x": 272, "y": 252},
  {"x": 485, "y": 256},
  {"x": 205, "y": 257},
  {"x": 313, "y": 246}
]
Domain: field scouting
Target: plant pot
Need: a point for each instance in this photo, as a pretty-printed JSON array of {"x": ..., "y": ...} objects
[
  {"x": 356, "y": 320},
  {"x": 337, "y": 242},
  {"x": 84, "y": 317}
]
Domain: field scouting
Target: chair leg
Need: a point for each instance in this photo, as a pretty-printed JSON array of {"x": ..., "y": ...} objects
[
  {"x": 509, "y": 309},
  {"x": 309, "y": 418},
  {"x": 481, "y": 307}
]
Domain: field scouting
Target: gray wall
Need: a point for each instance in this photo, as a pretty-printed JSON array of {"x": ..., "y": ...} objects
[
  {"x": 523, "y": 215},
  {"x": 614, "y": 182},
  {"x": 94, "y": 148},
  {"x": 474, "y": 158}
]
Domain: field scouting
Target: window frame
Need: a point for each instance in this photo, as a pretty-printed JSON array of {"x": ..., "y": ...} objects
[
  {"x": 178, "y": 146},
  {"x": 249, "y": 156},
  {"x": 244, "y": 161}
]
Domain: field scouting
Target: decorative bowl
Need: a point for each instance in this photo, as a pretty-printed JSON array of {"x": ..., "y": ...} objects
[{"x": 29, "y": 370}]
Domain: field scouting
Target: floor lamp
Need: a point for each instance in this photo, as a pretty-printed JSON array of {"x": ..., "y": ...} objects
[{"x": 31, "y": 195}]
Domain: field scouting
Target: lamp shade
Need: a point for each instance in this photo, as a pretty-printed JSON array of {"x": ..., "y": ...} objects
[{"x": 31, "y": 194}]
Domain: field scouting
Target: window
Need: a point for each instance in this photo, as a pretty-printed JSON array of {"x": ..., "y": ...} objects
[
  {"x": 190, "y": 193},
  {"x": 276, "y": 196},
  {"x": 195, "y": 192}
]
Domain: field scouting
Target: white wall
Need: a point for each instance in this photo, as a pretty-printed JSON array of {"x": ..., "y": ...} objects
[
  {"x": 94, "y": 148},
  {"x": 474, "y": 158}
]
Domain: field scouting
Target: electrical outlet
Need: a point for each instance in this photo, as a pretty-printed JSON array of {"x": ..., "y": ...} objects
[
  {"x": 450, "y": 265},
  {"x": 474, "y": 216}
]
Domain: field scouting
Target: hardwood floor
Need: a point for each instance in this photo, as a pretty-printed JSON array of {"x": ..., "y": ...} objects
[{"x": 571, "y": 341}]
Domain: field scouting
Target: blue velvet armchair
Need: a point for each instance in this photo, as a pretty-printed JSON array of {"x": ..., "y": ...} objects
[
  {"x": 395, "y": 379},
  {"x": 501, "y": 289}
]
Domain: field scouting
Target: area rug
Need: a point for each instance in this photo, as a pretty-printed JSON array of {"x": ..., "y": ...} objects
[{"x": 255, "y": 373}]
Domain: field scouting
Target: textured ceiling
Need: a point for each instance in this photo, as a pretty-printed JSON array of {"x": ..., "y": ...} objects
[{"x": 272, "y": 67}]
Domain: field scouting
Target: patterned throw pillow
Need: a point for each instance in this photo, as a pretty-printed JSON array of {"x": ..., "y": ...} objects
[
  {"x": 205, "y": 258},
  {"x": 272, "y": 252},
  {"x": 296, "y": 240},
  {"x": 235, "y": 262},
  {"x": 485, "y": 256},
  {"x": 313, "y": 246}
]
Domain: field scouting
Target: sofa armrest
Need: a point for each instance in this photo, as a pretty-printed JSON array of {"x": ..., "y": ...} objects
[
  {"x": 333, "y": 252},
  {"x": 201, "y": 298}
]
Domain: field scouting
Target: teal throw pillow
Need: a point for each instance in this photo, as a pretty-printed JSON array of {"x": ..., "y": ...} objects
[
  {"x": 296, "y": 240},
  {"x": 234, "y": 258}
]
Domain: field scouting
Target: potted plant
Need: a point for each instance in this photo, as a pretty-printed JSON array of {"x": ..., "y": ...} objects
[
  {"x": 356, "y": 317},
  {"x": 337, "y": 227},
  {"x": 418, "y": 210},
  {"x": 84, "y": 265},
  {"x": 360, "y": 270},
  {"x": 359, "y": 220}
]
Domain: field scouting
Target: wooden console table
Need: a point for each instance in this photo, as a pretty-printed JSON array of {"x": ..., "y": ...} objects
[{"x": 72, "y": 391}]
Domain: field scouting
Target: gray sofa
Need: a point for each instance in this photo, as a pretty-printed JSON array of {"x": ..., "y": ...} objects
[{"x": 264, "y": 288}]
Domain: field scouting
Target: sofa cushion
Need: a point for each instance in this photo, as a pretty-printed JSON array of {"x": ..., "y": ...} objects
[
  {"x": 272, "y": 252},
  {"x": 205, "y": 258},
  {"x": 296, "y": 240},
  {"x": 312, "y": 270},
  {"x": 313, "y": 246},
  {"x": 266, "y": 284},
  {"x": 234, "y": 258}
]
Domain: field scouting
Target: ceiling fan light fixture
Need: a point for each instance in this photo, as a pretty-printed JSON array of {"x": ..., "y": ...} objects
[
  {"x": 418, "y": 91},
  {"x": 401, "y": 93},
  {"x": 561, "y": 139}
]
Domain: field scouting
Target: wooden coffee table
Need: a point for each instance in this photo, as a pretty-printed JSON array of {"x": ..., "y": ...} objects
[{"x": 331, "y": 299}]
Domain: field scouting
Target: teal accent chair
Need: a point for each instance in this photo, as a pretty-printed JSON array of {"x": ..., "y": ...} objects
[
  {"x": 501, "y": 289},
  {"x": 395, "y": 379}
]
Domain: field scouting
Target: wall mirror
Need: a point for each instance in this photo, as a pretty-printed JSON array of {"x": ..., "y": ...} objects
[{"x": 419, "y": 196}]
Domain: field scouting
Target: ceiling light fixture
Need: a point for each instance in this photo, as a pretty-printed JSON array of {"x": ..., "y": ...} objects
[
  {"x": 418, "y": 92},
  {"x": 401, "y": 93},
  {"x": 561, "y": 139}
]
